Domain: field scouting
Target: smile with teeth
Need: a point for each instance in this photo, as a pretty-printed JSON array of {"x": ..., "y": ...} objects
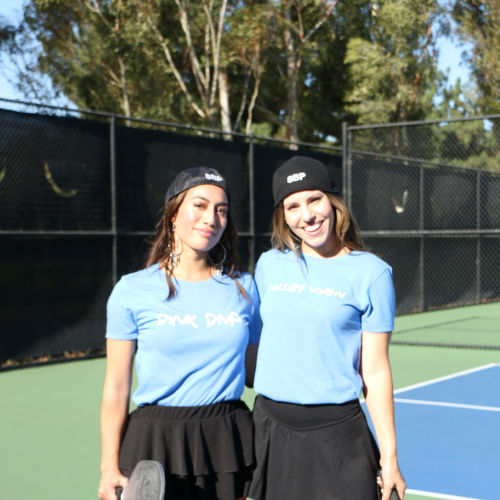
[{"x": 314, "y": 228}]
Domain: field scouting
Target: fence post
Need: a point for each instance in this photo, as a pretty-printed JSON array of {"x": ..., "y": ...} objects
[
  {"x": 422, "y": 240},
  {"x": 346, "y": 191},
  {"x": 478, "y": 243},
  {"x": 251, "y": 201},
  {"x": 112, "y": 162}
]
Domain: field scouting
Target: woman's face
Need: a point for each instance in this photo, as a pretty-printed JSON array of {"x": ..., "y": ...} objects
[
  {"x": 309, "y": 214},
  {"x": 201, "y": 218}
]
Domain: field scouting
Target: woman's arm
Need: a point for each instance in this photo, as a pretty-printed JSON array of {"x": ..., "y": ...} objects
[
  {"x": 377, "y": 380},
  {"x": 114, "y": 411},
  {"x": 250, "y": 362}
]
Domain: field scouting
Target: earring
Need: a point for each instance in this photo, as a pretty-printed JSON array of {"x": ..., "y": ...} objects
[
  {"x": 173, "y": 257},
  {"x": 219, "y": 265}
]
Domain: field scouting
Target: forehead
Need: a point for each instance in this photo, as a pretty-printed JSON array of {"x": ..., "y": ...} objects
[
  {"x": 214, "y": 194},
  {"x": 301, "y": 196}
]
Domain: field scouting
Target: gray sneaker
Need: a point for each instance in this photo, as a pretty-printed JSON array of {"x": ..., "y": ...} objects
[{"x": 147, "y": 482}]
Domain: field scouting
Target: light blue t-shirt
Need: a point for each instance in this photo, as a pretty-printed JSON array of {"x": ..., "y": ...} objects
[
  {"x": 313, "y": 312},
  {"x": 191, "y": 348}
]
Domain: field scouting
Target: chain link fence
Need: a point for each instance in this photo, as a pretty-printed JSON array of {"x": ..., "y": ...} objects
[
  {"x": 427, "y": 198},
  {"x": 80, "y": 193}
]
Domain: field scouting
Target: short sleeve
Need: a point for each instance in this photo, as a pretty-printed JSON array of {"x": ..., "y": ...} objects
[
  {"x": 379, "y": 313},
  {"x": 120, "y": 323}
]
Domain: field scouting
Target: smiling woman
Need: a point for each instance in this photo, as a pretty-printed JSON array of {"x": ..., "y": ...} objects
[
  {"x": 327, "y": 308},
  {"x": 309, "y": 214},
  {"x": 198, "y": 226},
  {"x": 191, "y": 320},
  {"x": 195, "y": 236}
]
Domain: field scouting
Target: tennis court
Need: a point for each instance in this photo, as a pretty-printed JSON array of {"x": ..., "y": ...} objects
[
  {"x": 455, "y": 449},
  {"x": 449, "y": 445},
  {"x": 475, "y": 325},
  {"x": 49, "y": 423}
]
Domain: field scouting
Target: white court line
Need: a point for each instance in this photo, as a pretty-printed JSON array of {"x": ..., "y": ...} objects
[
  {"x": 446, "y": 377},
  {"x": 437, "y": 495},
  {"x": 442, "y": 403}
]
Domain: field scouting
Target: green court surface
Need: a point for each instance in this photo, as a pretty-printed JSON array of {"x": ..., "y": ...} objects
[
  {"x": 49, "y": 423},
  {"x": 475, "y": 325}
]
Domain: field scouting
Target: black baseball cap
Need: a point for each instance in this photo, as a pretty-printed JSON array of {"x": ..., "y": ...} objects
[
  {"x": 192, "y": 177},
  {"x": 300, "y": 173}
]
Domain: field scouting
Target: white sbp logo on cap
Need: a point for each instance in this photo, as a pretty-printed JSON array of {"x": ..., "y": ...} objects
[
  {"x": 295, "y": 177},
  {"x": 213, "y": 177}
]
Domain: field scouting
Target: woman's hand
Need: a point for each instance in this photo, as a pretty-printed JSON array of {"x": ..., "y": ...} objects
[
  {"x": 389, "y": 479},
  {"x": 377, "y": 380},
  {"x": 110, "y": 480},
  {"x": 114, "y": 410}
]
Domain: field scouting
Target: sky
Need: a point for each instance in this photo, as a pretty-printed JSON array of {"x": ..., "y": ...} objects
[{"x": 12, "y": 11}]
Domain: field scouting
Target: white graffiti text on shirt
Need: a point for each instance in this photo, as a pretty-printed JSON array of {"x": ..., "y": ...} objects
[
  {"x": 297, "y": 288},
  {"x": 211, "y": 319}
]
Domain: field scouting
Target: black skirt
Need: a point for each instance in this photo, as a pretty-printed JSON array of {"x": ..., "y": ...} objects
[
  {"x": 207, "y": 451},
  {"x": 318, "y": 452}
]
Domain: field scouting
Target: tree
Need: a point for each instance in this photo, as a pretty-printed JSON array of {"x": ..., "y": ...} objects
[
  {"x": 137, "y": 59},
  {"x": 214, "y": 49},
  {"x": 293, "y": 34},
  {"x": 292, "y": 69},
  {"x": 473, "y": 143},
  {"x": 88, "y": 52},
  {"x": 478, "y": 22},
  {"x": 393, "y": 72},
  {"x": 297, "y": 39},
  {"x": 322, "y": 105}
]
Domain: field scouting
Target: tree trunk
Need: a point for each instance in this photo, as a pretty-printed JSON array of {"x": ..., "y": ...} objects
[
  {"x": 225, "y": 114},
  {"x": 291, "y": 74}
]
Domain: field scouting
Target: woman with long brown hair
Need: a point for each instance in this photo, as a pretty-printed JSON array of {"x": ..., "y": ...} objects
[
  {"x": 327, "y": 308},
  {"x": 189, "y": 319}
]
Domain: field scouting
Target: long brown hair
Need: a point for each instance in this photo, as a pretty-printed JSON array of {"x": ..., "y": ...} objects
[
  {"x": 346, "y": 229},
  {"x": 163, "y": 244}
]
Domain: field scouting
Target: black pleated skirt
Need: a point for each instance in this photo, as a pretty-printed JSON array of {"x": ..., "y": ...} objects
[
  {"x": 207, "y": 451},
  {"x": 322, "y": 452}
]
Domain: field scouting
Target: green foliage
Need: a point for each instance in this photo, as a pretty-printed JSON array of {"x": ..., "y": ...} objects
[
  {"x": 479, "y": 22},
  {"x": 322, "y": 107},
  {"x": 293, "y": 69},
  {"x": 91, "y": 54},
  {"x": 261, "y": 129},
  {"x": 474, "y": 143},
  {"x": 393, "y": 69},
  {"x": 7, "y": 33}
]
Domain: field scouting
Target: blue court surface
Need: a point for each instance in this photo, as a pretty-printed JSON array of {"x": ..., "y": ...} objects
[{"x": 448, "y": 433}]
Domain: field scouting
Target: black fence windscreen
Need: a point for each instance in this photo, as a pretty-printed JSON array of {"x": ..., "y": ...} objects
[
  {"x": 81, "y": 193},
  {"x": 53, "y": 295},
  {"x": 426, "y": 206},
  {"x": 54, "y": 173},
  {"x": 148, "y": 160},
  {"x": 79, "y": 200},
  {"x": 385, "y": 195}
]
